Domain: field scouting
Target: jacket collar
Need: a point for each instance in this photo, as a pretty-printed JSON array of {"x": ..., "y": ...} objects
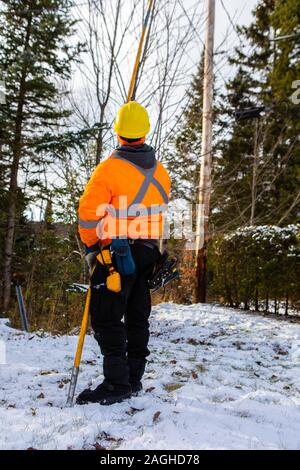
[{"x": 142, "y": 155}]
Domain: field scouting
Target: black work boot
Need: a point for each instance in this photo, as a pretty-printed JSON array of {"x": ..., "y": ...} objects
[
  {"x": 136, "y": 388},
  {"x": 104, "y": 394},
  {"x": 136, "y": 372},
  {"x": 115, "y": 387}
]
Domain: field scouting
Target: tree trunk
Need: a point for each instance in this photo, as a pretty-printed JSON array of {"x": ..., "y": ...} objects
[
  {"x": 99, "y": 142},
  {"x": 256, "y": 300},
  {"x": 228, "y": 290},
  {"x": 287, "y": 305},
  {"x": 236, "y": 290},
  {"x": 267, "y": 302},
  {"x": 13, "y": 186}
]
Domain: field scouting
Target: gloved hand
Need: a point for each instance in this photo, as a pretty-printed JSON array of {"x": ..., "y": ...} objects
[{"x": 91, "y": 255}]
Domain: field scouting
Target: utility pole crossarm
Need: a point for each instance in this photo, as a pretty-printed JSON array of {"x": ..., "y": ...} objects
[{"x": 286, "y": 37}]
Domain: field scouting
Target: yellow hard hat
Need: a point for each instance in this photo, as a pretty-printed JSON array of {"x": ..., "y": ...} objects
[{"x": 132, "y": 121}]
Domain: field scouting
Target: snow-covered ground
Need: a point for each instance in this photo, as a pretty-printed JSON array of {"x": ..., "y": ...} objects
[{"x": 217, "y": 379}]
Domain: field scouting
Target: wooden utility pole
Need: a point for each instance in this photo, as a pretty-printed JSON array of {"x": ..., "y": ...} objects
[{"x": 202, "y": 233}]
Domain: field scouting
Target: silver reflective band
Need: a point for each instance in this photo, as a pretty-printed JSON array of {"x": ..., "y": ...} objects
[
  {"x": 135, "y": 211},
  {"x": 132, "y": 211},
  {"x": 88, "y": 223}
]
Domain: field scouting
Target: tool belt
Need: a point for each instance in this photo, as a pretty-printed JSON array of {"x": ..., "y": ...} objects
[
  {"x": 164, "y": 272},
  {"x": 122, "y": 256},
  {"x": 119, "y": 254},
  {"x": 153, "y": 244}
]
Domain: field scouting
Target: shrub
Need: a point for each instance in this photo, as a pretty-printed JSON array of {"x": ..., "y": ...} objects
[{"x": 255, "y": 264}]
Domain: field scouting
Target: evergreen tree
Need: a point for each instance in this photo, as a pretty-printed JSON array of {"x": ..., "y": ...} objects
[
  {"x": 285, "y": 20},
  {"x": 255, "y": 177},
  {"x": 35, "y": 54}
]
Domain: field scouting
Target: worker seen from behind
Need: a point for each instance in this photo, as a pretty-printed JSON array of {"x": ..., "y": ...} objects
[{"x": 120, "y": 222}]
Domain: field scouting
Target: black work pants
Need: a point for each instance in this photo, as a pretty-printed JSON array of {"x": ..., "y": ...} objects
[{"x": 121, "y": 320}]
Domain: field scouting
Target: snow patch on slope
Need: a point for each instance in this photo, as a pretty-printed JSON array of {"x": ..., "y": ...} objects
[{"x": 216, "y": 379}]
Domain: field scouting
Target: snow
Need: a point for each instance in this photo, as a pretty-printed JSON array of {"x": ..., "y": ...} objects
[
  {"x": 216, "y": 379},
  {"x": 265, "y": 232}
]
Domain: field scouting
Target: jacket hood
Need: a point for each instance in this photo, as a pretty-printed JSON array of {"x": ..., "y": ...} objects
[{"x": 141, "y": 155}]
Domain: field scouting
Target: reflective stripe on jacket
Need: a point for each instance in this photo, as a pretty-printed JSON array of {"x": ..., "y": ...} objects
[{"x": 125, "y": 196}]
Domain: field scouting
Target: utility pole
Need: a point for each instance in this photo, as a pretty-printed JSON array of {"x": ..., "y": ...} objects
[{"x": 202, "y": 232}]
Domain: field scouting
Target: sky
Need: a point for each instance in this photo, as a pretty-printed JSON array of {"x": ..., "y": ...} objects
[
  {"x": 228, "y": 14},
  {"x": 239, "y": 12}
]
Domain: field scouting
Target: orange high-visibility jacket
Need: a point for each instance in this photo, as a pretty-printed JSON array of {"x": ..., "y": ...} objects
[{"x": 125, "y": 196}]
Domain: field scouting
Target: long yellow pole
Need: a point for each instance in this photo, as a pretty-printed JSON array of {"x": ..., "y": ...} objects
[
  {"x": 77, "y": 360},
  {"x": 139, "y": 52},
  {"x": 83, "y": 329}
]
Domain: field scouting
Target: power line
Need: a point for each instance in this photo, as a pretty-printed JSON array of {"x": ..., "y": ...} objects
[{"x": 283, "y": 38}]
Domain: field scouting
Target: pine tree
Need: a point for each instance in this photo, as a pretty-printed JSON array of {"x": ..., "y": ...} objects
[
  {"x": 35, "y": 54},
  {"x": 285, "y": 20},
  {"x": 255, "y": 177}
]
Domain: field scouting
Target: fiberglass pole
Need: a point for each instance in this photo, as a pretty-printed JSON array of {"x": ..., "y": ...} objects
[{"x": 139, "y": 52}]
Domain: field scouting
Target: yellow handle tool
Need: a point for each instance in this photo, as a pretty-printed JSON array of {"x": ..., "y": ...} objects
[
  {"x": 77, "y": 360},
  {"x": 113, "y": 280},
  {"x": 139, "y": 52}
]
